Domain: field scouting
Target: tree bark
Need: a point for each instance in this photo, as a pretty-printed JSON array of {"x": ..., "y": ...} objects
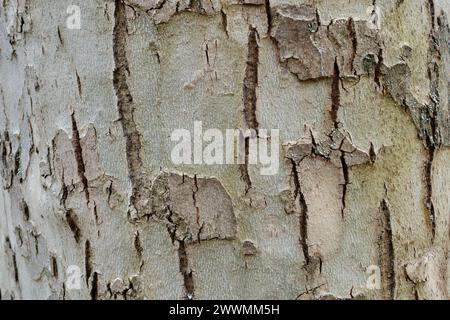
[{"x": 91, "y": 92}]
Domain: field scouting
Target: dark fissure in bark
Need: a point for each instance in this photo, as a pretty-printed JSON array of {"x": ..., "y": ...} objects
[
  {"x": 352, "y": 32},
  {"x": 185, "y": 270},
  {"x": 433, "y": 140},
  {"x": 243, "y": 168},
  {"x": 17, "y": 156},
  {"x": 139, "y": 249},
  {"x": 125, "y": 103},
  {"x": 72, "y": 221},
  {"x": 16, "y": 270},
  {"x": 54, "y": 264},
  {"x": 335, "y": 105},
  {"x": 224, "y": 20},
  {"x": 303, "y": 214},
  {"x": 346, "y": 182},
  {"x": 197, "y": 209},
  {"x": 88, "y": 260},
  {"x": 14, "y": 260},
  {"x": 25, "y": 210},
  {"x": 94, "y": 286},
  {"x": 61, "y": 41},
  {"x": 335, "y": 95},
  {"x": 76, "y": 144},
  {"x": 429, "y": 192},
  {"x": 183, "y": 258},
  {"x": 80, "y": 91},
  {"x": 386, "y": 249},
  {"x": 251, "y": 80},
  {"x": 372, "y": 154},
  {"x": 378, "y": 68},
  {"x": 268, "y": 15},
  {"x": 249, "y": 98},
  {"x": 432, "y": 13}
]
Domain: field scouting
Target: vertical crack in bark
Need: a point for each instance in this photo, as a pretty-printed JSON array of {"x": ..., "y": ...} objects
[
  {"x": 94, "y": 286},
  {"x": 64, "y": 193},
  {"x": 319, "y": 23},
  {"x": 183, "y": 258},
  {"x": 335, "y": 105},
  {"x": 429, "y": 192},
  {"x": 14, "y": 260},
  {"x": 64, "y": 291},
  {"x": 4, "y": 143},
  {"x": 303, "y": 214},
  {"x": 335, "y": 95},
  {"x": 268, "y": 15},
  {"x": 372, "y": 154},
  {"x": 79, "y": 156},
  {"x": 185, "y": 270},
  {"x": 346, "y": 182},
  {"x": 54, "y": 266},
  {"x": 17, "y": 156},
  {"x": 139, "y": 249},
  {"x": 386, "y": 248},
  {"x": 197, "y": 209},
  {"x": 346, "y": 179},
  {"x": 352, "y": 33},
  {"x": 25, "y": 210},
  {"x": 72, "y": 221},
  {"x": 80, "y": 91},
  {"x": 224, "y": 21},
  {"x": 16, "y": 270},
  {"x": 138, "y": 245},
  {"x": 125, "y": 104},
  {"x": 432, "y": 13},
  {"x": 96, "y": 216},
  {"x": 88, "y": 260},
  {"x": 36, "y": 243},
  {"x": 251, "y": 80},
  {"x": 49, "y": 162},
  {"x": 378, "y": 67},
  {"x": 243, "y": 168},
  {"x": 432, "y": 136},
  {"x": 60, "y": 38},
  {"x": 249, "y": 98},
  {"x": 207, "y": 55}
]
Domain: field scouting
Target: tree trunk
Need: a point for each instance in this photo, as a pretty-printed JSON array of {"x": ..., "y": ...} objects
[{"x": 93, "y": 206}]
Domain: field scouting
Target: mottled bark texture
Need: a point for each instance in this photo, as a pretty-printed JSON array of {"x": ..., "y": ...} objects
[{"x": 358, "y": 88}]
